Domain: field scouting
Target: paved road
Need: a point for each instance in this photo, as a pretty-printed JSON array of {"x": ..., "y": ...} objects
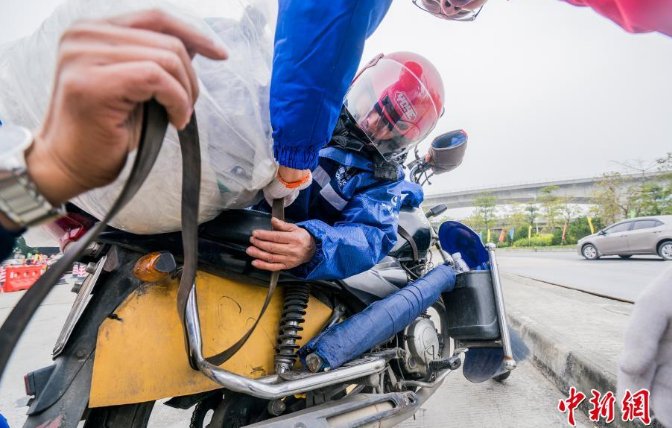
[
  {"x": 609, "y": 276},
  {"x": 34, "y": 349},
  {"x": 526, "y": 399}
]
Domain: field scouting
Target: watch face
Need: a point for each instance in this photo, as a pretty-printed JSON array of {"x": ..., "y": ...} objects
[{"x": 14, "y": 140}]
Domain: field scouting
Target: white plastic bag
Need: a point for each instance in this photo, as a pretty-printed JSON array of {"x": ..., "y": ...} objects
[{"x": 232, "y": 109}]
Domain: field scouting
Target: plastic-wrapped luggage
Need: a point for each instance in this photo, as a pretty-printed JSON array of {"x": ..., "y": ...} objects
[{"x": 232, "y": 109}]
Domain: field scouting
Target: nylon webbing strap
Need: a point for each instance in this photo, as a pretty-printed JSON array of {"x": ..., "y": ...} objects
[
  {"x": 407, "y": 236},
  {"x": 154, "y": 124},
  {"x": 277, "y": 211}
]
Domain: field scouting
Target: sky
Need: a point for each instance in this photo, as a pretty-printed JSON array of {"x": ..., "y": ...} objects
[{"x": 544, "y": 89}]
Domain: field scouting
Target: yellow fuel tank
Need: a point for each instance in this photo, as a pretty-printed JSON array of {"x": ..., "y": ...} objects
[{"x": 141, "y": 353}]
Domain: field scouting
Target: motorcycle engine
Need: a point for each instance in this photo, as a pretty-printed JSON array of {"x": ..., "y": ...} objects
[{"x": 422, "y": 345}]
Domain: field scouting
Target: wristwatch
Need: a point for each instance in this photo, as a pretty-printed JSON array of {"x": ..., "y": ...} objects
[{"x": 20, "y": 200}]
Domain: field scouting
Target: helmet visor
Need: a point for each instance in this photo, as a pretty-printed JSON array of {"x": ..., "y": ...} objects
[
  {"x": 392, "y": 106},
  {"x": 454, "y": 10}
]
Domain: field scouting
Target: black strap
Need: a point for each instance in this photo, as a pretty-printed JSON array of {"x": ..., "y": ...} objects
[
  {"x": 278, "y": 211},
  {"x": 191, "y": 183},
  {"x": 154, "y": 124},
  {"x": 407, "y": 236}
]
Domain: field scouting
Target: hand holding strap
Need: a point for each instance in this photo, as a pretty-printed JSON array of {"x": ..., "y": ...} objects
[{"x": 154, "y": 125}]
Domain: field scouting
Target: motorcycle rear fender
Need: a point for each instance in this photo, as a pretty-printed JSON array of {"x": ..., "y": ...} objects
[
  {"x": 141, "y": 353},
  {"x": 66, "y": 389}
]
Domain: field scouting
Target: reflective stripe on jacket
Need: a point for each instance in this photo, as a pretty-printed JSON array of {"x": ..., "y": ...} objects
[{"x": 352, "y": 215}]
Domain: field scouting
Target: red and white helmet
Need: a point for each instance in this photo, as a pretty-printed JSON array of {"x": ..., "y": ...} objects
[
  {"x": 455, "y": 10},
  {"x": 396, "y": 100}
]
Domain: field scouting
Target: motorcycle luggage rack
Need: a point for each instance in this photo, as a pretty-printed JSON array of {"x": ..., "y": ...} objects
[
  {"x": 484, "y": 325},
  {"x": 509, "y": 362},
  {"x": 269, "y": 387}
]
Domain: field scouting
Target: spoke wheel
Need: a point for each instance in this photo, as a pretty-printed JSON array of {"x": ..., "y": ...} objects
[
  {"x": 204, "y": 412},
  {"x": 237, "y": 410}
]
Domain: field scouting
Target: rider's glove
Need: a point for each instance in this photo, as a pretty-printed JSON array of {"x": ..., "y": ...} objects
[{"x": 288, "y": 191}]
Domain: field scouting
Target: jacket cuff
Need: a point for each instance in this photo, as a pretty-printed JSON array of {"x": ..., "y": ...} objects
[
  {"x": 305, "y": 270},
  {"x": 297, "y": 157}
]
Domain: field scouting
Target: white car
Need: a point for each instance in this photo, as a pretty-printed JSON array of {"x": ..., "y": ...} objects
[{"x": 642, "y": 235}]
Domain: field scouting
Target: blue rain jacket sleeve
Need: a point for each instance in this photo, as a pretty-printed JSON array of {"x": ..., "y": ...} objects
[
  {"x": 318, "y": 46},
  {"x": 364, "y": 235}
]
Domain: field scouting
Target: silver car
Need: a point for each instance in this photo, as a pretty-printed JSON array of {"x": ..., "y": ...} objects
[{"x": 642, "y": 235}]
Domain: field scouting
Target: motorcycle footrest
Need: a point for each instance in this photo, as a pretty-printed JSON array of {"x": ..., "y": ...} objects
[{"x": 452, "y": 363}]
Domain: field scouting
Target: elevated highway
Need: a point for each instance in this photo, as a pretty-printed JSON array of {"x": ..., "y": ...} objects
[{"x": 578, "y": 190}]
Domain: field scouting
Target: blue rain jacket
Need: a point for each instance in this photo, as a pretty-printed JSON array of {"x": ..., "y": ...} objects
[
  {"x": 352, "y": 215},
  {"x": 318, "y": 46}
]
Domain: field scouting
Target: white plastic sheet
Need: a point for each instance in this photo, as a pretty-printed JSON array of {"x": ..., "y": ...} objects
[{"x": 232, "y": 110}]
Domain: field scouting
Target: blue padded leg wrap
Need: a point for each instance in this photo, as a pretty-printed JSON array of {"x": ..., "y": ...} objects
[{"x": 380, "y": 320}]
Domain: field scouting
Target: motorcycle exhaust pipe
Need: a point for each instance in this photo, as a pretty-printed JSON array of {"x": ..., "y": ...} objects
[
  {"x": 371, "y": 410},
  {"x": 269, "y": 387}
]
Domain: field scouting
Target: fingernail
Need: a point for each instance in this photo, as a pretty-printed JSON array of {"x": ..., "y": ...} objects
[{"x": 221, "y": 49}]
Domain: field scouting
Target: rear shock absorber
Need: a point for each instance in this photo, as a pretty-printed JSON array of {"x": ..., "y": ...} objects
[{"x": 293, "y": 312}]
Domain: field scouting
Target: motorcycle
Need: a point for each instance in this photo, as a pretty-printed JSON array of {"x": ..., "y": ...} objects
[{"x": 124, "y": 347}]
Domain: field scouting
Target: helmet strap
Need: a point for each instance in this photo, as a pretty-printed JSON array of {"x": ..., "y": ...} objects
[{"x": 385, "y": 170}]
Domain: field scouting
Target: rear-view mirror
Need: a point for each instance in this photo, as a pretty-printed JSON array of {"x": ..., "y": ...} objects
[
  {"x": 447, "y": 151},
  {"x": 436, "y": 210}
]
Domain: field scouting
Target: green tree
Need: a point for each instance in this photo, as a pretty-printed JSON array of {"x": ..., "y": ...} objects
[
  {"x": 531, "y": 213},
  {"x": 580, "y": 228},
  {"x": 516, "y": 218},
  {"x": 551, "y": 205},
  {"x": 485, "y": 211},
  {"x": 611, "y": 198},
  {"x": 650, "y": 199}
]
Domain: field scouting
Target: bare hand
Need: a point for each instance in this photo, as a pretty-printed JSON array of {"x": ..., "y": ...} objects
[
  {"x": 286, "y": 247},
  {"x": 106, "y": 69}
]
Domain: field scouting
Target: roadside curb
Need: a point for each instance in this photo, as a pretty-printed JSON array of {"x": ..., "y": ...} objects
[
  {"x": 560, "y": 363},
  {"x": 567, "y": 249}
]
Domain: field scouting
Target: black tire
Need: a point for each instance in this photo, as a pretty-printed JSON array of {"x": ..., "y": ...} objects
[
  {"x": 502, "y": 377},
  {"x": 198, "y": 418},
  {"x": 625, "y": 256},
  {"x": 589, "y": 252},
  {"x": 126, "y": 416},
  {"x": 665, "y": 250}
]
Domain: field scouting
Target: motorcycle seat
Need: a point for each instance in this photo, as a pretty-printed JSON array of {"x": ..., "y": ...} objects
[
  {"x": 231, "y": 227},
  {"x": 378, "y": 282},
  {"x": 235, "y": 226}
]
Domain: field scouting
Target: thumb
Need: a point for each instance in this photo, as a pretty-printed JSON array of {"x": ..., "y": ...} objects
[{"x": 282, "y": 226}]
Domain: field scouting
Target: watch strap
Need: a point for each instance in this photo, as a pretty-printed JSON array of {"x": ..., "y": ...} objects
[{"x": 21, "y": 202}]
